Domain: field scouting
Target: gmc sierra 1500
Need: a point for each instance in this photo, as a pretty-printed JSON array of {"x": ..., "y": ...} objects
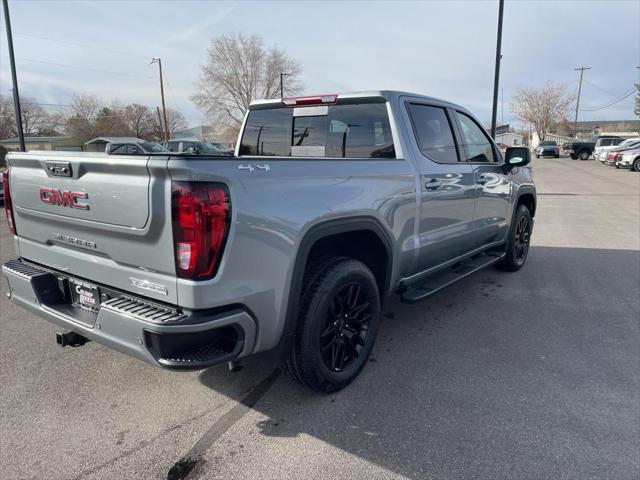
[{"x": 330, "y": 203}]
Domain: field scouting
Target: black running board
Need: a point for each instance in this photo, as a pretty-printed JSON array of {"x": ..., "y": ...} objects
[{"x": 446, "y": 277}]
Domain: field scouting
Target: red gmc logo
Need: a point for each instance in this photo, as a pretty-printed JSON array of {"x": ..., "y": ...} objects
[{"x": 52, "y": 196}]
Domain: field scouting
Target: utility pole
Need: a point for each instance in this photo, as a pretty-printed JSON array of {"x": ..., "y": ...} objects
[
  {"x": 575, "y": 121},
  {"x": 496, "y": 80},
  {"x": 160, "y": 122},
  {"x": 165, "y": 130},
  {"x": 282, "y": 83},
  {"x": 16, "y": 95}
]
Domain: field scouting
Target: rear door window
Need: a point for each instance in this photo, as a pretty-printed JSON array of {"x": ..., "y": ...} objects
[
  {"x": 433, "y": 132},
  {"x": 333, "y": 131},
  {"x": 478, "y": 147}
]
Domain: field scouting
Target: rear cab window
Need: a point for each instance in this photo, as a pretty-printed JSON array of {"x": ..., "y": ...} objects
[
  {"x": 351, "y": 130},
  {"x": 434, "y": 132}
]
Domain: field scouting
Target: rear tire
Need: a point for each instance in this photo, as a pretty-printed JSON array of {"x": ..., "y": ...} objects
[
  {"x": 584, "y": 154},
  {"x": 556, "y": 156},
  {"x": 517, "y": 248},
  {"x": 337, "y": 325}
]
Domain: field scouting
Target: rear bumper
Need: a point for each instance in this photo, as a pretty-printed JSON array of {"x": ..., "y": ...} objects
[{"x": 160, "y": 334}]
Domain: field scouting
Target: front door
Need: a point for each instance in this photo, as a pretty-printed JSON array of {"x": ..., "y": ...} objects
[
  {"x": 447, "y": 188},
  {"x": 493, "y": 186}
]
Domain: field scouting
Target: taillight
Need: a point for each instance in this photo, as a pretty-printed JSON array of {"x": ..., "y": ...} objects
[
  {"x": 314, "y": 100},
  {"x": 8, "y": 204},
  {"x": 200, "y": 214}
]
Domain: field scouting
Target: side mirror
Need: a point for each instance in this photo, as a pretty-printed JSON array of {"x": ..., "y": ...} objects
[{"x": 517, "y": 157}]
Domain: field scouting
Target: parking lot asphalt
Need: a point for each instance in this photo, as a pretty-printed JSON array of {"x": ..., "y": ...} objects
[{"x": 534, "y": 374}]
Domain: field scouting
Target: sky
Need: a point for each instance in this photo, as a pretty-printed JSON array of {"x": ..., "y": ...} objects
[{"x": 439, "y": 48}]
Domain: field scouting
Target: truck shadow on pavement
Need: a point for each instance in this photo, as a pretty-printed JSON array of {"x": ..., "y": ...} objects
[{"x": 499, "y": 376}]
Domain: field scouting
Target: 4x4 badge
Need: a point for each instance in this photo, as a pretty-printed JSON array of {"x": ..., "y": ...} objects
[{"x": 265, "y": 167}]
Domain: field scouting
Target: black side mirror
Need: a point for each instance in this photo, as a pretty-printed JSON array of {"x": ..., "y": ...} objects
[{"x": 517, "y": 157}]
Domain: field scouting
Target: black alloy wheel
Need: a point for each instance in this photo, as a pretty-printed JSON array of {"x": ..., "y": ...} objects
[
  {"x": 347, "y": 324},
  {"x": 517, "y": 245},
  {"x": 521, "y": 240}
]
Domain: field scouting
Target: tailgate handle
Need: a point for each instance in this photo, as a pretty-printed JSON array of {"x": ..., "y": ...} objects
[{"x": 59, "y": 169}]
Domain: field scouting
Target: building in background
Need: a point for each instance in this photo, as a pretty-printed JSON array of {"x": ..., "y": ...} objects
[
  {"x": 59, "y": 144},
  {"x": 505, "y": 136},
  {"x": 589, "y": 129}
]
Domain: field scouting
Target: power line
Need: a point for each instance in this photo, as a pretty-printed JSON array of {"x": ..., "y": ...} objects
[
  {"x": 31, "y": 60},
  {"x": 601, "y": 89},
  {"x": 81, "y": 45},
  {"x": 611, "y": 103}
]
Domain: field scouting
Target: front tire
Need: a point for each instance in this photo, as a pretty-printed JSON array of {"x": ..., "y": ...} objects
[
  {"x": 337, "y": 325},
  {"x": 517, "y": 248},
  {"x": 584, "y": 155},
  {"x": 636, "y": 165}
]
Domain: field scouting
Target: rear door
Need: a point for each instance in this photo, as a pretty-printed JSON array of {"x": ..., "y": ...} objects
[
  {"x": 447, "y": 187},
  {"x": 492, "y": 185}
]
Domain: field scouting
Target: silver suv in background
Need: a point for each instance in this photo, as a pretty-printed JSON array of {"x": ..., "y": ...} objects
[
  {"x": 333, "y": 203},
  {"x": 547, "y": 148}
]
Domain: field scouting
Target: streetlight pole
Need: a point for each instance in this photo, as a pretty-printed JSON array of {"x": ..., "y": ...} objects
[
  {"x": 16, "y": 96},
  {"x": 575, "y": 121},
  {"x": 165, "y": 130},
  {"x": 496, "y": 80},
  {"x": 282, "y": 83}
]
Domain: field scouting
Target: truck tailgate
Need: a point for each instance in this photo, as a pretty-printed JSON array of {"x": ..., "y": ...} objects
[{"x": 103, "y": 218}]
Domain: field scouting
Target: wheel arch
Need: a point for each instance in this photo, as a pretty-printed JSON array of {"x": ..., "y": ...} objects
[
  {"x": 323, "y": 232},
  {"x": 527, "y": 196}
]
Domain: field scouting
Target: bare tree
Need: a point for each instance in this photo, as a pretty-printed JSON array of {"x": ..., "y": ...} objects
[
  {"x": 542, "y": 107},
  {"x": 7, "y": 118},
  {"x": 79, "y": 121},
  {"x": 139, "y": 120},
  {"x": 636, "y": 109},
  {"x": 35, "y": 120},
  {"x": 240, "y": 69},
  {"x": 175, "y": 122},
  {"x": 110, "y": 122}
]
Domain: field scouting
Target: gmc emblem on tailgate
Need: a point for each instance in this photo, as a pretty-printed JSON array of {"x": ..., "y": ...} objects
[{"x": 66, "y": 198}]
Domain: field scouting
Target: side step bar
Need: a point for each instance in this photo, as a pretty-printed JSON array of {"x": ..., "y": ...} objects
[{"x": 446, "y": 277}]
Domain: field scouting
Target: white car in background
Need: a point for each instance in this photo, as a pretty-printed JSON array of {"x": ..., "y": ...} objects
[
  {"x": 630, "y": 159},
  {"x": 606, "y": 143},
  {"x": 600, "y": 152}
]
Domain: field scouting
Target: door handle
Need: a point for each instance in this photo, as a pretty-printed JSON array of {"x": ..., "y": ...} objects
[
  {"x": 432, "y": 183},
  {"x": 482, "y": 179}
]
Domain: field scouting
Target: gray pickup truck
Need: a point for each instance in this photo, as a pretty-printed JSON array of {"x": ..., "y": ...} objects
[{"x": 329, "y": 204}]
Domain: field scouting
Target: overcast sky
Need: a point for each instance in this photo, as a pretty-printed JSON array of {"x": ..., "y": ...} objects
[{"x": 440, "y": 48}]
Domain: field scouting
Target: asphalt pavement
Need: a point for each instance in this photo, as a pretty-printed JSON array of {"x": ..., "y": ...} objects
[{"x": 528, "y": 375}]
